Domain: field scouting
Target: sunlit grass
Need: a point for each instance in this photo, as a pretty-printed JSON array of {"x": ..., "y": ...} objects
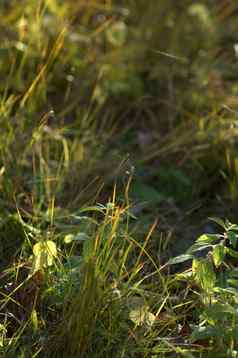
[{"x": 93, "y": 93}]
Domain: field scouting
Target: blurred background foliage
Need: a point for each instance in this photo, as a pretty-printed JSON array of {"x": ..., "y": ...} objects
[{"x": 92, "y": 91}]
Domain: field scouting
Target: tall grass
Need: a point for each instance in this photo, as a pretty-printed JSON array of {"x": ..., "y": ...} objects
[{"x": 90, "y": 93}]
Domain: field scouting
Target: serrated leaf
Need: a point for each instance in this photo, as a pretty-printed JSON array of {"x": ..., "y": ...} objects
[
  {"x": 218, "y": 254},
  {"x": 179, "y": 259}
]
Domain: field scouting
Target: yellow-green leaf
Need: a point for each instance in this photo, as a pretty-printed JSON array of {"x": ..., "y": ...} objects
[
  {"x": 204, "y": 274},
  {"x": 34, "y": 320},
  {"x": 218, "y": 255},
  {"x": 142, "y": 316},
  {"x": 44, "y": 252}
]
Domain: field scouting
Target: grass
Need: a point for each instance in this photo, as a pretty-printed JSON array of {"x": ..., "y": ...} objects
[{"x": 118, "y": 141}]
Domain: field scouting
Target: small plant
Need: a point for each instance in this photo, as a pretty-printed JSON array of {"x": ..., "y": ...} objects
[
  {"x": 97, "y": 307},
  {"x": 214, "y": 278}
]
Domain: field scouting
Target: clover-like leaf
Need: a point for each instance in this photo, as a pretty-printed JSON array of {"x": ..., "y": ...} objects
[{"x": 142, "y": 316}]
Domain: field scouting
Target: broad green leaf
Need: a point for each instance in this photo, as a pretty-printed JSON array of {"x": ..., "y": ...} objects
[
  {"x": 206, "y": 333},
  {"x": 233, "y": 273},
  {"x": 219, "y": 222},
  {"x": 218, "y": 254},
  {"x": 218, "y": 311},
  {"x": 232, "y": 252},
  {"x": 179, "y": 259},
  {"x": 204, "y": 274},
  {"x": 198, "y": 246},
  {"x": 235, "y": 335},
  {"x": 232, "y": 282},
  {"x": 232, "y": 238},
  {"x": 207, "y": 238},
  {"x": 227, "y": 291},
  {"x": 233, "y": 227},
  {"x": 81, "y": 236},
  {"x": 204, "y": 241}
]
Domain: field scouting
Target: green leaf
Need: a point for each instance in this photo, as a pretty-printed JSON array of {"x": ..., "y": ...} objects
[
  {"x": 68, "y": 238},
  {"x": 88, "y": 249},
  {"x": 219, "y": 222},
  {"x": 218, "y": 311},
  {"x": 179, "y": 259},
  {"x": 81, "y": 236},
  {"x": 3, "y": 334},
  {"x": 145, "y": 192},
  {"x": 229, "y": 290},
  {"x": 73, "y": 264},
  {"x": 44, "y": 254},
  {"x": 117, "y": 33},
  {"x": 34, "y": 320},
  {"x": 205, "y": 333},
  {"x": 233, "y": 273},
  {"x": 207, "y": 238},
  {"x": 92, "y": 208},
  {"x": 198, "y": 246},
  {"x": 218, "y": 254},
  {"x": 233, "y": 227},
  {"x": 232, "y": 252},
  {"x": 232, "y": 238},
  {"x": 204, "y": 274},
  {"x": 232, "y": 282},
  {"x": 142, "y": 316},
  {"x": 204, "y": 241}
]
